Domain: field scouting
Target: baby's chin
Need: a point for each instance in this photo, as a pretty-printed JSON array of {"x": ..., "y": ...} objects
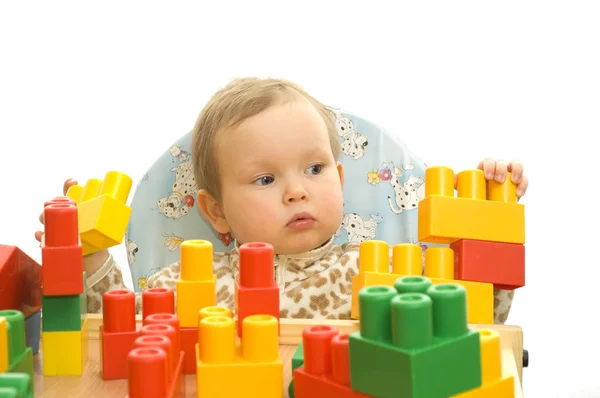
[{"x": 290, "y": 248}]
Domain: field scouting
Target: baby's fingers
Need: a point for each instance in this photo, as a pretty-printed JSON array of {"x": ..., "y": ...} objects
[
  {"x": 68, "y": 184},
  {"x": 38, "y": 236}
]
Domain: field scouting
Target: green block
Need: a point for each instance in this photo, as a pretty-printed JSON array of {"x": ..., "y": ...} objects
[
  {"x": 24, "y": 364},
  {"x": 298, "y": 358},
  {"x": 414, "y": 341},
  {"x": 16, "y": 334},
  {"x": 64, "y": 313},
  {"x": 16, "y": 385}
]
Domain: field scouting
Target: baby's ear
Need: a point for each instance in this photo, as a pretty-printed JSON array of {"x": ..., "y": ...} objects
[
  {"x": 212, "y": 211},
  {"x": 340, "y": 169}
]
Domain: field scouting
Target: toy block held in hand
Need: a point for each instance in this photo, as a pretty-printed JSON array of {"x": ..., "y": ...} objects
[
  {"x": 502, "y": 264},
  {"x": 103, "y": 213},
  {"x": 196, "y": 287},
  {"x": 250, "y": 368},
  {"x": 20, "y": 281},
  {"x": 412, "y": 335},
  {"x": 494, "y": 383},
  {"x": 406, "y": 261},
  {"x": 256, "y": 291},
  {"x": 477, "y": 212},
  {"x": 62, "y": 263},
  {"x": 326, "y": 368}
]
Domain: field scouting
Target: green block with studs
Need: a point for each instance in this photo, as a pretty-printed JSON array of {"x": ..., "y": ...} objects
[{"x": 414, "y": 341}]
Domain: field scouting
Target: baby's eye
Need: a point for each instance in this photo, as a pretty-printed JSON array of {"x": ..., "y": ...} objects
[
  {"x": 315, "y": 169},
  {"x": 266, "y": 180}
]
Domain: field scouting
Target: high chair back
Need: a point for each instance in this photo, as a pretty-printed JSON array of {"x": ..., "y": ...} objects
[{"x": 383, "y": 183}]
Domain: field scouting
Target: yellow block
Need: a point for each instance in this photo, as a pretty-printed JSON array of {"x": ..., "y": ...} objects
[
  {"x": 439, "y": 268},
  {"x": 252, "y": 368},
  {"x": 102, "y": 213},
  {"x": 3, "y": 345},
  {"x": 192, "y": 296},
  {"x": 65, "y": 353},
  {"x": 494, "y": 384},
  {"x": 448, "y": 219}
]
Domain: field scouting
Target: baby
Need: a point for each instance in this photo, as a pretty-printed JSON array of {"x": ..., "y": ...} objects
[{"x": 266, "y": 161}]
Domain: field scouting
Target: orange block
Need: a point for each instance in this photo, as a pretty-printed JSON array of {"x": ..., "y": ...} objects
[
  {"x": 406, "y": 261},
  {"x": 502, "y": 264},
  {"x": 476, "y": 213}
]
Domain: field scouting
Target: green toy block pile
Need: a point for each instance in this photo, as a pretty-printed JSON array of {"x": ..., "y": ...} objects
[{"x": 16, "y": 360}]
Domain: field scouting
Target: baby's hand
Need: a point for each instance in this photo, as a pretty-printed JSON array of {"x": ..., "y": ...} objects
[{"x": 498, "y": 169}]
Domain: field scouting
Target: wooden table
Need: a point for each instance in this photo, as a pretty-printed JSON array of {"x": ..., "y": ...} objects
[{"x": 90, "y": 384}]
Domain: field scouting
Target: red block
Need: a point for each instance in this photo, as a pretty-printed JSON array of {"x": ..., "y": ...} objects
[
  {"x": 326, "y": 369},
  {"x": 150, "y": 377},
  {"x": 502, "y": 264},
  {"x": 158, "y": 300},
  {"x": 189, "y": 339},
  {"x": 20, "y": 281},
  {"x": 62, "y": 261},
  {"x": 256, "y": 291},
  {"x": 117, "y": 333}
]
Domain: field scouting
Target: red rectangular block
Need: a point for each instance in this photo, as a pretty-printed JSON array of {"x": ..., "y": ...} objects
[
  {"x": 20, "y": 281},
  {"x": 62, "y": 268},
  {"x": 502, "y": 264},
  {"x": 255, "y": 301},
  {"x": 307, "y": 385},
  {"x": 114, "y": 350},
  {"x": 189, "y": 338}
]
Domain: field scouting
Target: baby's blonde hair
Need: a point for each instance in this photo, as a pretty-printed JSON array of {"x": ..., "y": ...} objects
[{"x": 243, "y": 98}]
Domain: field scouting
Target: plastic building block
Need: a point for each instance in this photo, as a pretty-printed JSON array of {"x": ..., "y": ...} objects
[
  {"x": 502, "y": 264},
  {"x": 475, "y": 213},
  {"x": 494, "y": 383},
  {"x": 32, "y": 331},
  {"x": 150, "y": 376},
  {"x": 103, "y": 213},
  {"x": 62, "y": 263},
  {"x": 17, "y": 385},
  {"x": 411, "y": 335},
  {"x": 3, "y": 345},
  {"x": 117, "y": 333},
  {"x": 158, "y": 300},
  {"x": 65, "y": 353},
  {"x": 20, "y": 357},
  {"x": 254, "y": 363},
  {"x": 64, "y": 313},
  {"x": 256, "y": 291},
  {"x": 406, "y": 261},
  {"x": 326, "y": 368},
  {"x": 20, "y": 281},
  {"x": 196, "y": 287}
]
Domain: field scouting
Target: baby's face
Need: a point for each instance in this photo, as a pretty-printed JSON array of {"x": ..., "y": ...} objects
[{"x": 279, "y": 181}]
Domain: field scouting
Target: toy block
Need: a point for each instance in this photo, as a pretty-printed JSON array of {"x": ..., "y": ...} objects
[
  {"x": 158, "y": 300},
  {"x": 254, "y": 363},
  {"x": 3, "y": 345},
  {"x": 64, "y": 313},
  {"x": 326, "y": 368},
  {"x": 20, "y": 281},
  {"x": 373, "y": 270},
  {"x": 492, "y": 215},
  {"x": 62, "y": 262},
  {"x": 297, "y": 361},
  {"x": 103, "y": 213},
  {"x": 411, "y": 335},
  {"x": 196, "y": 287},
  {"x": 494, "y": 383},
  {"x": 65, "y": 353},
  {"x": 502, "y": 264},
  {"x": 256, "y": 291},
  {"x": 149, "y": 374},
  {"x": 17, "y": 385},
  {"x": 117, "y": 333},
  {"x": 33, "y": 331}
]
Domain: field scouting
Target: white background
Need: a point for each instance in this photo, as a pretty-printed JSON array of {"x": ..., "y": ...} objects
[{"x": 87, "y": 88}]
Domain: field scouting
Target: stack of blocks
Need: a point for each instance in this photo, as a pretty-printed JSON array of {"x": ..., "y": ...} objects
[
  {"x": 16, "y": 359},
  {"x": 20, "y": 284},
  {"x": 88, "y": 219},
  {"x": 485, "y": 227},
  {"x": 64, "y": 304}
]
